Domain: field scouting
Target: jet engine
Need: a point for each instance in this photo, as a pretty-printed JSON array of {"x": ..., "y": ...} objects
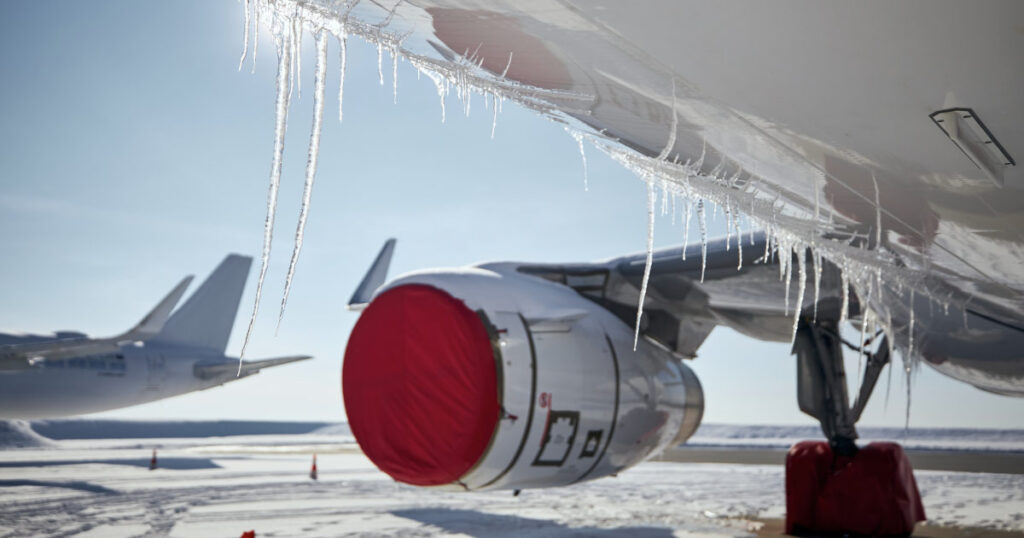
[{"x": 486, "y": 378}]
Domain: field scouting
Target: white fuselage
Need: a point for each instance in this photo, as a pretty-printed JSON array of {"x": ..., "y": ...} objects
[{"x": 88, "y": 384}]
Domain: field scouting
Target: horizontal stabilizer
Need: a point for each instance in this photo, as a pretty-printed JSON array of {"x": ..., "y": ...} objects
[
  {"x": 374, "y": 278},
  {"x": 230, "y": 368}
]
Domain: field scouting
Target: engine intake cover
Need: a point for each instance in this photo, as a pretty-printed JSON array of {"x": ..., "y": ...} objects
[{"x": 420, "y": 385}]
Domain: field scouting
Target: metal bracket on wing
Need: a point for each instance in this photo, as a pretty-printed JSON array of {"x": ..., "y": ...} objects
[
  {"x": 374, "y": 278},
  {"x": 560, "y": 321}
]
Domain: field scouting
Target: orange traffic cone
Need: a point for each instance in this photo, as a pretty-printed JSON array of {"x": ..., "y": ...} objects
[
  {"x": 312, "y": 470},
  {"x": 152, "y": 461}
]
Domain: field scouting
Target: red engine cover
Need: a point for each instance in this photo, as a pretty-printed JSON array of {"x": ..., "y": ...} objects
[
  {"x": 873, "y": 493},
  {"x": 420, "y": 385}
]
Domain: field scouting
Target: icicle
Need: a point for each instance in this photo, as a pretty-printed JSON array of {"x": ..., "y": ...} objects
[
  {"x": 767, "y": 243},
  {"x": 311, "y": 163},
  {"x": 728, "y": 225},
  {"x": 245, "y": 39},
  {"x": 888, "y": 329},
  {"x": 863, "y": 332},
  {"x": 441, "y": 86},
  {"x": 910, "y": 331},
  {"x": 507, "y": 65},
  {"x": 380, "y": 59},
  {"x": 256, "y": 33},
  {"x": 650, "y": 259},
  {"x": 284, "y": 54},
  {"x": 878, "y": 214},
  {"x": 908, "y": 364},
  {"x": 297, "y": 50},
  {"x": 888, "y": 381},
  {"x": 343, "y": 54},
  {"x": 817, "y": 281},
  {"x": 686, "y": 225},
  {"x": 801, "y": 264},
  {"x": 494, "y": 114},
  {"x": 908, "y": 359},
  {"x": 583, "y": 158},
  {"x": 702, "y": 220},
  {"x": 394, "y": 72},
  {"x": 786, "y": 259},
  {"x": 739, "y": 244},
  {"x": 906, "y": 424},
  {"x": 664, "y": 197}
]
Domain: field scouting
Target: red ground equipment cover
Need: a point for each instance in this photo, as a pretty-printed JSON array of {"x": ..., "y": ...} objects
[
  {"x": 420, "y": 385},
  {"x": 872, "y": 493}
]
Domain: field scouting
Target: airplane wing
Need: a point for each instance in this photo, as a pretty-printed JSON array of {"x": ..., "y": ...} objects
[
  {"x": 229, "y": 368},
  {"x": 25, "y": 355},
  {"x": 904, "y": 180},
  {"x": 738, "y": 286}
]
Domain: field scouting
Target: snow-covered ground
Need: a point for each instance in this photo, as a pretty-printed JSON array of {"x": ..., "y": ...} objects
[
  {"x": 950, "y": 439},
  {"x": 221, "y": 486}
]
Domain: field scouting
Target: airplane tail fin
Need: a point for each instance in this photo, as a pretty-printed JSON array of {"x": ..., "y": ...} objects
[{"x": 206, "y": 319}]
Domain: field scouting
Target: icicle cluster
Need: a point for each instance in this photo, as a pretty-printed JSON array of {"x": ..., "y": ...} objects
[
  {"x": 287, "y": 21},
  {"x": 794, "y": 238}
]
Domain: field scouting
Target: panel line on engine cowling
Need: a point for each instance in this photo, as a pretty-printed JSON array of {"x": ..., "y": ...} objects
[
  {"x": 615, "y": 413},
  {"x": 499, "y": 372},
  {"x": 533, "y": 398}
]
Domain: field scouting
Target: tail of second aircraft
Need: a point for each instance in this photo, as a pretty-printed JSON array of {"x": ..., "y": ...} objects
[{"x": 206, "y": 319}]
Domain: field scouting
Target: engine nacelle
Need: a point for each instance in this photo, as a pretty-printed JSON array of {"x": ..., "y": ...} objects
[{"x": 485, "y": 378}]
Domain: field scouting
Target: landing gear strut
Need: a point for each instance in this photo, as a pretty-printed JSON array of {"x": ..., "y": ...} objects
[{"x": 838, "y": 487}]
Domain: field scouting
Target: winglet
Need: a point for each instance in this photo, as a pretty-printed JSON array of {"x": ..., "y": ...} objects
[
  {"x": 154, "y": 321},
  {"x": 374, "y": 277}
]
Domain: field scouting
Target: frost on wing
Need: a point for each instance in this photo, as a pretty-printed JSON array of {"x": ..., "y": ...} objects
[{"x": 790, "y": 229}]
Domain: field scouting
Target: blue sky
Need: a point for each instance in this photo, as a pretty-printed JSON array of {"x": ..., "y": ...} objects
[{"x": 133, "y": 152}]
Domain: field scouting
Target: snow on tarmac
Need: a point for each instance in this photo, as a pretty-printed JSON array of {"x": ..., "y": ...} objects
[{"x": 224, "y": 486}]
